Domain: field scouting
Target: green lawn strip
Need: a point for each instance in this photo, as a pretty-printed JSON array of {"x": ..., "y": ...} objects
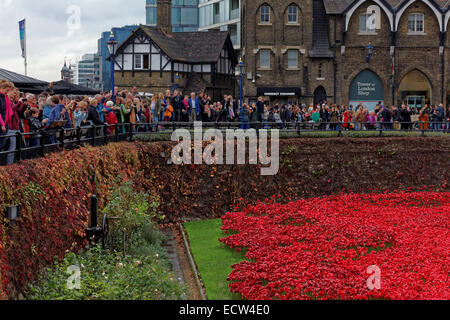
[
  {"x": 166, "y": 136},
  {"x": 213, "y": 259}
]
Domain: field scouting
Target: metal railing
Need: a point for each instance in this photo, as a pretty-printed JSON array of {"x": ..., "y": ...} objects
[{"x": 37, "y": 144}]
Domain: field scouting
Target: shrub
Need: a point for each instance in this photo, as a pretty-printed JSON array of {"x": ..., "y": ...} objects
[
  {"x": 108, "y": 276},
  {"x": 138, "y": 271}
]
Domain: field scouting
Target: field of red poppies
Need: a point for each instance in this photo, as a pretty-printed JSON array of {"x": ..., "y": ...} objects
[{"x": 350, "y": 246}]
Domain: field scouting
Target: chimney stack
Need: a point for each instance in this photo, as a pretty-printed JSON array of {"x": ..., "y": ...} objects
[{"x": 164, "y": 18}]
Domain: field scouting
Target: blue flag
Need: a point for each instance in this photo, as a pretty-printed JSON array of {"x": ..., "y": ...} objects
[{"x": 23, "y": 42}]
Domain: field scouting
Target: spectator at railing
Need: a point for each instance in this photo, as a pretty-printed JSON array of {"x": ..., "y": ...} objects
[
  {"x": 6, "y": 113},
  {"x": 371, "y": 120},
  {"x": 111, "y": 118},
  {"x": 424, "y": 119},
  {"x": 80, "y": 114},
  {"x": 59, "y": 112},
  {"x": 406, "y": 117},
  {"x": 35, "y": 126},
  {"x": 93, "y": 115}
]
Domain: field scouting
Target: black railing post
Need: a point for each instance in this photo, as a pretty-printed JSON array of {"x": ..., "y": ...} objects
[
  {"x": 117, "y": 126},
  {"x": 20, "y": 156},
  {"x": 94, "y": 133},
  {"x": 61, "y": 137},
  {"x": 130, "y": 134},
  {"x": 42, "y": 139},
  {"x": 105, "y": 133},
  {"x": 79, "y": 136}
]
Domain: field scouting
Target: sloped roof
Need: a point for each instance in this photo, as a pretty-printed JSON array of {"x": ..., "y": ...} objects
[
  {"x": 336, "y": 6},
  {"x": 321, "y": 45},
  {"x": 17, "y": 78},
  {"x": 64, "y": 87},
  {"x": 191, "y": 47}
]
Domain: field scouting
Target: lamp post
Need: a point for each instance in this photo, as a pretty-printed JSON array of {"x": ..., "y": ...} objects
[
  {"x": 112, "y": 43},
  {"x": 241, "y": 77}
]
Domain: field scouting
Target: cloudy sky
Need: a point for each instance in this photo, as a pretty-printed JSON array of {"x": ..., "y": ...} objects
[{"x": 53, "y": 31}]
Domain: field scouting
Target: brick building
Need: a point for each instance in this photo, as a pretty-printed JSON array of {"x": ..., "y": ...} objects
[
  {"x": 155, "y": 60},
  {"x": 347, "y": 51}
]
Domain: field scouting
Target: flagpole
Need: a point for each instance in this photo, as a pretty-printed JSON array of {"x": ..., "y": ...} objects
[{"x": 23, "y": 42}]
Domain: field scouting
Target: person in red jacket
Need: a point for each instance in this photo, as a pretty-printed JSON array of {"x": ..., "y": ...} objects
[{"x": 111, "y": 118}]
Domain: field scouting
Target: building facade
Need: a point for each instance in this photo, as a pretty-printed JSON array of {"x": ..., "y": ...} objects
[
  {"x": 347, "y": 52},
  {"x": 184, "y": 14},
  {"x": 223, "y": 15},
  {"x": 155, "y": 61},
  {"x": 88, "y": 70}
]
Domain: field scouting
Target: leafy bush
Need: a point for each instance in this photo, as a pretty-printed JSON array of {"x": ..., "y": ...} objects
[
  {"x": 135, "y": 267},
  {"x": 108, "y": 276}
]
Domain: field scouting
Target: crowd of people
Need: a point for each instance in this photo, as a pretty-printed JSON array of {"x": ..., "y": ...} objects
[{"x": 30, "y": 114}]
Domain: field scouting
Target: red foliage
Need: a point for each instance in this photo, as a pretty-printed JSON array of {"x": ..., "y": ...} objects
[
  {"x": 54, "y": 194},
  {"x": 322, "y": 248}
]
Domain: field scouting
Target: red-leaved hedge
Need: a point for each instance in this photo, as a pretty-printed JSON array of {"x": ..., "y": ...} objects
[{"x": 54, "y": 194}]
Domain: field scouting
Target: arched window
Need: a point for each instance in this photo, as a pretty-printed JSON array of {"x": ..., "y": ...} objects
[
  {"x": 265, "y": 13},
  {"x": 292, "y": 14}
]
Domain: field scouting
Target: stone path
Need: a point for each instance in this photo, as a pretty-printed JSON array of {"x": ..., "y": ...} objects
[{"x": 171, "y": 247}]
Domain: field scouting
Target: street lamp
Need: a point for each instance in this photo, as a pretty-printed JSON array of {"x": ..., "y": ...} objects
[
  {"x": 112, "y": 43},
  {"x": 241, "y": 71}
]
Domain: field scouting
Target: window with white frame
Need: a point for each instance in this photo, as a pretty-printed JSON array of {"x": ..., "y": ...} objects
[
  {"x": 141, "y": 61},
  {"x": 264, "y": 59},
  {"x": 293, "y": 14},
  {"x": 265, "y": 14},
  {"x": 292, "y": 59},
  {"x": 365, "y": 25},
  {"x": 416, "y": 23}
]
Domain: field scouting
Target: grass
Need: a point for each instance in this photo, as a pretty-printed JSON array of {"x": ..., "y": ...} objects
[
  {"x": 213, "y": 259},
  {"x": 285, "y": 134}
]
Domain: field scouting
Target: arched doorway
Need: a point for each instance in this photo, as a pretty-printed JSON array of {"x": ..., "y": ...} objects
[
  {"x": 366, "y": 88},
  {"x": 415, "y": 90},
  {"x": 320, "y": 95}
]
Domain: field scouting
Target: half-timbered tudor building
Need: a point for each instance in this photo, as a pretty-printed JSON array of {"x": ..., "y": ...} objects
[{"x": 154, "y": 61}]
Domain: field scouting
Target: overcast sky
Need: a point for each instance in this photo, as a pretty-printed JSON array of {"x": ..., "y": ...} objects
[{"x": 54, "y": 33}]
